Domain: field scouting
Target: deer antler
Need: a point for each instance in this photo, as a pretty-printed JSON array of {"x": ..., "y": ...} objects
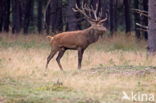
[
  {"x": 90, "y": 13},
  {"x": 95, "y": 12},
  {"x": 103, "y": 20},
  {"x": 83, "y": 10}
]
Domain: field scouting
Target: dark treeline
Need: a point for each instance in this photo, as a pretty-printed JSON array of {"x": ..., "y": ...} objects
[{"x": 27, "y": 16}]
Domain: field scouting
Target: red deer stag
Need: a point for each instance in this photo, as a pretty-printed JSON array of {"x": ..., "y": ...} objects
[{"x": 81, "y": 39}]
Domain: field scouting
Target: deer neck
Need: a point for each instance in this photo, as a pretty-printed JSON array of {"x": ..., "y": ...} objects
[{"x": 92, "y": 34}]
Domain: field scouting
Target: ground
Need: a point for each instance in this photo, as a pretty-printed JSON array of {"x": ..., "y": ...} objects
[{"x": 110, "y": 67}]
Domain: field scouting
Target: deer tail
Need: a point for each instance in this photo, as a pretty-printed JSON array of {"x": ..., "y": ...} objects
[{"x": 50, "y": 38}]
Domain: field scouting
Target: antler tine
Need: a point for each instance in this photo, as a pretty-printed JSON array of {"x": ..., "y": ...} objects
[
  {"x": 97, "y": 6},
  {"x": 95, "y": 11},
  {"x": 100, "y": 13},
  {"x": 82, "y": 10},
  {"x": 88, "y": 9},
  {"x": 82, "y": 7},
  {"x": 77, "y": 9},
  {"x": 90, "y": 13},
  {"x": 103, "y": 20}
]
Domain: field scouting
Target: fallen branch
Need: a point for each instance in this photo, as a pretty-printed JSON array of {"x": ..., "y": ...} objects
[
  {"x": 142, "y": 26},
  {"x": 141, "y": 12}
]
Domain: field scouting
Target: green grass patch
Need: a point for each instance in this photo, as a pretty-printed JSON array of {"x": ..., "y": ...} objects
[
  {"x": 17, "y": 90},
  {"x": 21, "y": 91}
]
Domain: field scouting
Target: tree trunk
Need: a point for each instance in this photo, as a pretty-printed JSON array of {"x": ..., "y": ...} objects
[
  {"x": 47, "y": 20},
  {"x": 145, "y": 19},
  {"x": 6, "y": 20},
  {"x": 137, "y": 19},
  {"x": 127, "y": 16},
  {"x": 16, "y": 16},
  {"x": 71, "y": 18},
  {"x": 112, "y": 19},
  {"x": 152, "y": 27},
  {"x": 115, "y": 15},
  {"x": 39, "y": 16},
  {"x": 56, "y": 15},
  {"x": 79, "y": 23},
  {"x": 4, "y": 15},
  {"x": 1, "y": 14},
  {"x": 27, "y": 15},
  {"x": 59, "y": 16}
]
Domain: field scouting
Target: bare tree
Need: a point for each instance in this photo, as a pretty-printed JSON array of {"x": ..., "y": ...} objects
[
  {"x": 145, "y": 19},
  {"x": 16, "y": 16},
  {"x": 56, "y": 15},
  {"x": 152, "y": 27},
  {"x": 39, "y": 15},
  {"x": 112, "y": 16},
  {"x": 4, "y": 15},
  {"x": 1, "y": 15},
  {"x": 28, "y": 15},
  {"x": 71, "y": 17},
  {"x": 127, "y": 16},
  {"x": 137, "y": 19}
]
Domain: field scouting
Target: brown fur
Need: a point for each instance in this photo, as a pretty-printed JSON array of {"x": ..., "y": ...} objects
[
  {"x": 77, "y": 40},
  {"x": 74, "y": 40}
]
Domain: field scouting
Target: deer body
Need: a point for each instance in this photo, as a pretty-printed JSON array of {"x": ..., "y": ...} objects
[{"x": 76, "y": 40}]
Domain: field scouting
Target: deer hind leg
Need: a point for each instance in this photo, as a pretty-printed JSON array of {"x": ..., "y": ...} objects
[
  {"x": 60, "y": 55},
  {"x": 80, "y": 56},
  {"x": 51, "y": 55}
]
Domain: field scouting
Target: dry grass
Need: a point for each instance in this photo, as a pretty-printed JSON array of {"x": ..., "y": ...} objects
[{"x": 110, "y": 66}]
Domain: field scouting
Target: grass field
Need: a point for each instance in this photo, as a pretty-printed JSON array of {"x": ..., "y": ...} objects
[{"x": 110, "y": 66}]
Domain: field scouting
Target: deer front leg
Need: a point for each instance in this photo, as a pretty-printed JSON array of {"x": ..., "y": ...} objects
[
  {"x": 52, "y": 53},
  {"x": 61, "y": 53},
  {"x": 80, "y": 56}
]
